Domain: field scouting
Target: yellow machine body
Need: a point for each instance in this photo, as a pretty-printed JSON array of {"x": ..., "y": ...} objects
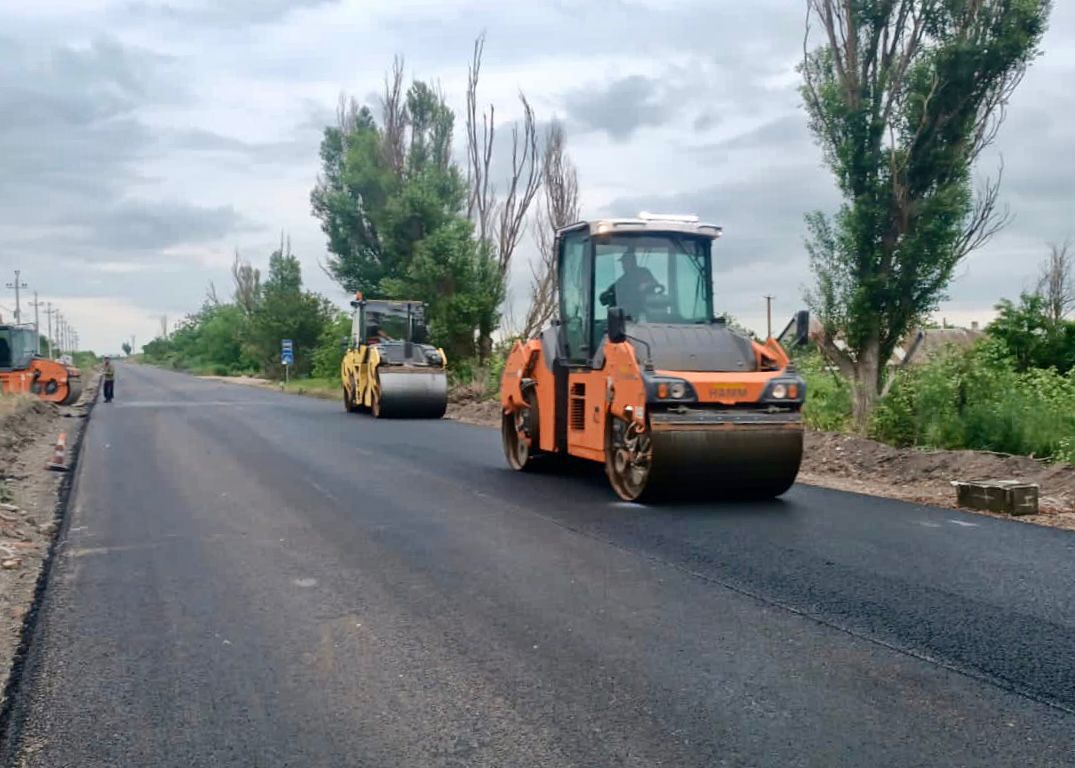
[{"x": 386, "y": 369}]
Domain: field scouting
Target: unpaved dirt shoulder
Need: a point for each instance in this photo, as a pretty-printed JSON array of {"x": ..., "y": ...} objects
[
  {"x": 858, "y": 465},
  {"x": 472, "y": 406},
  {"x": 30, "y": 512},
  {"x": 250, "y": 381},
  {"x": 850, "y": 463}
]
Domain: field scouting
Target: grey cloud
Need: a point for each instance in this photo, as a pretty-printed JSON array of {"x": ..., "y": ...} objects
[
  {"x": 301, "y": 145},
  {"x": 784, "y": 134},
  {"x": 619, "y": 108},
  {"x": 222, "y": 13},
  {"x": 69, "y": 129},
  {"x": 72, "y": 144},
  {"x": 704, "y": 122},
  {"x": 598, "y": 27},
  {"x": 148, "y": 226}
]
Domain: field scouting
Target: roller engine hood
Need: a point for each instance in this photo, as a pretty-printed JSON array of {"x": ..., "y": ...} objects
[{"x": 712, "y": 347}]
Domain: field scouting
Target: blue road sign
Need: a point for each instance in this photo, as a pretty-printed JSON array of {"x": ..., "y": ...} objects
[
  {"x": 287, "y": 352},
  {"x": 287, "y": 358}
]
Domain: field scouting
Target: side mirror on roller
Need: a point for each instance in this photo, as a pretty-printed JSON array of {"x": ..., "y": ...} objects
[{"x": 617, "y": 325}]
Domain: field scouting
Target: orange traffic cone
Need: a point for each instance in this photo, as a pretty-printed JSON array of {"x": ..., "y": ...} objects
[{"x": 56, "y": 462}]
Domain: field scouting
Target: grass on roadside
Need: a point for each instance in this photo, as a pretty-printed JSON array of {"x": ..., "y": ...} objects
[{"x": 325, "y": 389}]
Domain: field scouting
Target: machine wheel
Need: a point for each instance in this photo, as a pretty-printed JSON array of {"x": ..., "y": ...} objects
[
  {"x": 348, "y": 401},
  {"x": 628, "y": 458},
  {"x": 518, "y": 432},
  {"x": 375, "y": 397}
]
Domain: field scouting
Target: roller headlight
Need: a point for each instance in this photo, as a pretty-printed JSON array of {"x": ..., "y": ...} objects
[
  {"x": 669, "y": 390},
  {"x": 785, "y": 390}
]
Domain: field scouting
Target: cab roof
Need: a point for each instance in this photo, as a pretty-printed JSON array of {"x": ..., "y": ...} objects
[{"x": 647, "y": 222}]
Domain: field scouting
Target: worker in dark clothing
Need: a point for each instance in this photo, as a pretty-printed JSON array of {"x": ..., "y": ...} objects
[
  {"x": 108, "y": 373},
  {"x": 629, "y": 292}
]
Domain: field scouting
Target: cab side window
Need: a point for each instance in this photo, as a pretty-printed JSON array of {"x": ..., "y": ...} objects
[
  {"x": 575, "y": 295},
  {"x": 5, "y": 350}
]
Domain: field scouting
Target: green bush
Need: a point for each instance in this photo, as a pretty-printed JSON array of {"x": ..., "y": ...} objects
[
  {"x": 328, "y": 356},
  {"x": 976, "y": 399},
  {"x": 828, "y": 394}
]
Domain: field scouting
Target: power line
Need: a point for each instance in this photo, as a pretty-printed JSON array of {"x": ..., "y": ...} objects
[
  {"x": 36, "y": 304},
  {"x": 18, "y": 285}
]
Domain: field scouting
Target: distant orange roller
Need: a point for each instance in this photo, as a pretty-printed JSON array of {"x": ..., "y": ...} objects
[{"x": 24, "y": 371}]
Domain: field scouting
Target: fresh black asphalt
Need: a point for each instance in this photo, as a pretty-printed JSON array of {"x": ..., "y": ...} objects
[{"x": 247, "y": 578}]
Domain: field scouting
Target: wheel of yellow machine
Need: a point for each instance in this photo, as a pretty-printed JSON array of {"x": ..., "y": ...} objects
[
  {"x": 518, "y": 431},
  {"x": 349, "y": 398},
  {"x": 628, "y": 458},
  {"x": 375, "y": 397}
]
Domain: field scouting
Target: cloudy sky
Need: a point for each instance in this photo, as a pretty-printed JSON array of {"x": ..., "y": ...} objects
[{"x": 143, "y": 141}]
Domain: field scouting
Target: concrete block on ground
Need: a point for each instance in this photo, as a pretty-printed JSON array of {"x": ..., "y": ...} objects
[{"x": 1010, "y": 497}]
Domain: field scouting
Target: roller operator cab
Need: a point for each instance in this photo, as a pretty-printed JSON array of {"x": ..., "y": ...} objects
[
  {"x": 639, "y": 373},
  {"x": 24, "y": 371},
  {"x": 387, "y": 368}
]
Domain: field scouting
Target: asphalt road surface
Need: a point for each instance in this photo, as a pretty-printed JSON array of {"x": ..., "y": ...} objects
[{"x": 253, "y": 579}]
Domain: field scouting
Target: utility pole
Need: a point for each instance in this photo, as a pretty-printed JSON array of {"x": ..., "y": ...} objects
[
  {"x": 49, "y": 312},
  {"x": 769, "y": 316},
  {"x": 18, "y": 285},
  {"x": 37, "y": 325}
]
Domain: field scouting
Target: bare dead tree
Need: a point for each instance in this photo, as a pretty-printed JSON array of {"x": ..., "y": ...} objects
[
  {"x": 558, "y": 208},
  {"x": 247, "y": 280},
  {"x": 394, "y": 116},
  {"x": 211, "y": 297},
  {"x": 347, "y": 112},
  {"x": 499, "y": 222},
  {"x": 480, "y": 196},
  {"x": 523, "y": 186},
  {"x": 1057, "y": 282}
]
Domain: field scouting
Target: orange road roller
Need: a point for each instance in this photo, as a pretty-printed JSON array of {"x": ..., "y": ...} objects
[
  {"x": 639, "y": 373},
  {"x": 22, "y": 370}
]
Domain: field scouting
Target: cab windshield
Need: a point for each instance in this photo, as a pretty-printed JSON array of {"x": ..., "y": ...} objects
[
  {"x": 16, "y": 348},
  {"x": 654, "y": 278},
  {"x": 394, "y": 321}
]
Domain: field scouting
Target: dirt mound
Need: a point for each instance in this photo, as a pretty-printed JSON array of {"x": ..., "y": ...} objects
[
  {"x": 926, "y": 475},
  {"x": 22, "y": 419},
  {"x": 472, "y": 404}
]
